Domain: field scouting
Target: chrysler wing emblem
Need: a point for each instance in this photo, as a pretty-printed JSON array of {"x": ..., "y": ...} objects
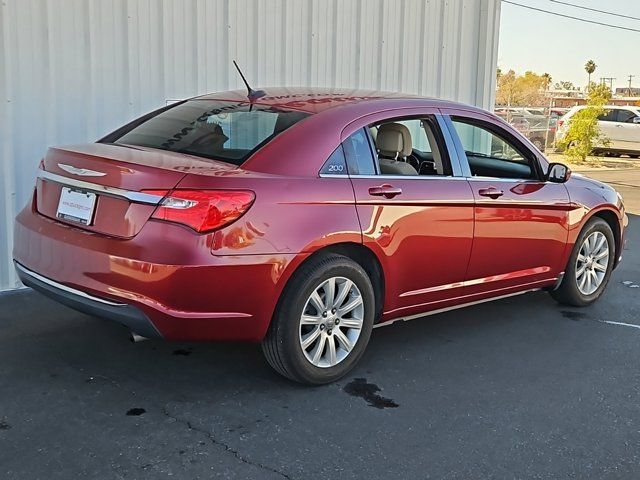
[{"x": 80, "y": 171}]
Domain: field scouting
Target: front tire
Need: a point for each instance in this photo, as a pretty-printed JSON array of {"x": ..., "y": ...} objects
[
  {"x": 589, "y": 268},
  {"x": 323, "y": 321}
]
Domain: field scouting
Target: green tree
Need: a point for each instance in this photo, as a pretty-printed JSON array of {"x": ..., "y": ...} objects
[
  {"x": 583, "y": 134},
  {"x": 564, "y": 85},
  {"x": 590, "y": 67},
  {"x": 520, "y": 90}
]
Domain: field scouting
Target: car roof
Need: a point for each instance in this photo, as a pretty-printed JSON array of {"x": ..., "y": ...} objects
[
  {"x": 607, "y": 107},
  {"x": 303, "y": 148},
  {"x": 315, "y": 100}
]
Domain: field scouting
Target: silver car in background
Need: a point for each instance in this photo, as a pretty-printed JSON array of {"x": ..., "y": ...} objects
[{"x": 619, "y": 124}]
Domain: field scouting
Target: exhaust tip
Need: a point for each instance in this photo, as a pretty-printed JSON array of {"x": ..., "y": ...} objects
[{"x": 135, "y": 338}]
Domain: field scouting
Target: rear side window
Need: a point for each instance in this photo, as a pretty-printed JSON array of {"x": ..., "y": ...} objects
[
  {"x": 225, "y": 131},
  {"x": 335, "y": 164},
  {"x": 609, "y": 116},
  {"x": 357, "y": 151}
]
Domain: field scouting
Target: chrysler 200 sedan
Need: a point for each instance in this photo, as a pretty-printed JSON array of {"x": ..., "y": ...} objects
[{"x": 303, "y": 218}]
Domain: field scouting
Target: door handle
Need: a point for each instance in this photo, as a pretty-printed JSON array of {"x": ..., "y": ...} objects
[
  {"x": 385, "y": 190},
  {"x": 491, "y": 192}
]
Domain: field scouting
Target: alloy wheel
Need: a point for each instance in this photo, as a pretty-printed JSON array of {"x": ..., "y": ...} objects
[
  {"x": 331, "y": 322},
  {"x": 592, "y": 263}
]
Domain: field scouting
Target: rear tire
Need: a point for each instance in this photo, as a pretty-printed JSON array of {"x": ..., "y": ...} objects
[
  {"x": 589, "y": 268},
  {"x": 317, "y": 335}
]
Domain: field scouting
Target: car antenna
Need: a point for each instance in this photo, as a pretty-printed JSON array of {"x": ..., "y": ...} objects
[{"x": 251, "y": 93}]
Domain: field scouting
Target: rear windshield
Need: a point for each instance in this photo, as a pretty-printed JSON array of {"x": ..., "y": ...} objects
[{"x": 212, "y": 129}]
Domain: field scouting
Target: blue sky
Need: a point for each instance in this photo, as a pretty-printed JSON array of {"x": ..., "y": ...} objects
[{"x": 540, "y": 42}]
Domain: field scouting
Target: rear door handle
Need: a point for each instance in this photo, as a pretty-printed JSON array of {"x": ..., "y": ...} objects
[
  {"x": 491, "y": 192},
  {"x": 385, "y": 190}
]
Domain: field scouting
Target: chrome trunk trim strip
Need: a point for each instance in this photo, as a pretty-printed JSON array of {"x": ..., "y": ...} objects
[{"x": 137, "y": 197}]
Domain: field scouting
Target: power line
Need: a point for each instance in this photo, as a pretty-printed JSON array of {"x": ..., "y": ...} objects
[
  {"x": 595, "y": 10},
  {"x": 572, "y": 17}
]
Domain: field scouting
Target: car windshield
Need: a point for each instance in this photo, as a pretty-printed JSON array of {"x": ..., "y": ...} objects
[{"x": 225, "y": 131}]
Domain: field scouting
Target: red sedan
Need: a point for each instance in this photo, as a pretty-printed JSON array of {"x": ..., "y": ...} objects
[{"x": 303, "y": 218}]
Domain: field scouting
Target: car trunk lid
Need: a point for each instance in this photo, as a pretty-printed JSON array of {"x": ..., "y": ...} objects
[{"x": 107, "y": 182}]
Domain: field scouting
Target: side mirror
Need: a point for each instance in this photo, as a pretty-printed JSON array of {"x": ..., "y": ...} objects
[
  {"x": 635, "y": 120},
  {"x": 558, "y": 173}
]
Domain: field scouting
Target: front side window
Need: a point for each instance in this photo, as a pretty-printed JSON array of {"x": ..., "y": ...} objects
[
  {"x": 490, "y": 152},
  {"x": 225, "y": 131},
  {"x": 626, "y": 116}
]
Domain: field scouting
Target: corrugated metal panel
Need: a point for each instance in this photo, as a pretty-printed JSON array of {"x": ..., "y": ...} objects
[{"x": 73, "y": 70}]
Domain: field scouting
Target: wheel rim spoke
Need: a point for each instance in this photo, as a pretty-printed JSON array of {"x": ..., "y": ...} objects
[
  {"x": 582, "y": 281},
  {"x": 310, "y": 320},
  {"x": 592, "y": 241},
  {"x": 599, "y": 267},
  {"x": 331, "y": 348},
  {"x": 343, "y": 340},
  {"x": 311, "y": 337},
  {"x": 588, "y": 282},
  {"x": 326, "y": 337},
  {"x": 357, "y": 301},
  {"x": 317, "y": 302},
  {"x": 343, "y": 291},
  {"x": 329, "y": 292},
  {"x": 319, "y": 349},
  {"x": 351, "y": 323}
]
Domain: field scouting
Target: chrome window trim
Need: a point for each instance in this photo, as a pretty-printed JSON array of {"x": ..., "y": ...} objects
[
  {"x": 60, "y": 286},
  {"x": 138, "y": 197},
  {"x": 394, "y": 177},
  {"x": 435, "y": 177},
  {"x": 504, "y": 180}
]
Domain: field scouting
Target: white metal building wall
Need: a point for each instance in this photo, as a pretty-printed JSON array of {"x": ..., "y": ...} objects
[{"x": 73, "y": 70}]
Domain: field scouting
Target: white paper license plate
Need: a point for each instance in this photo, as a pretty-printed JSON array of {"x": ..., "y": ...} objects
[{"x": 76, "y": 206}]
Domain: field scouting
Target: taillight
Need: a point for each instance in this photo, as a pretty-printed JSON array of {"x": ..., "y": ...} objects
[{"x": 202, "y": 210}]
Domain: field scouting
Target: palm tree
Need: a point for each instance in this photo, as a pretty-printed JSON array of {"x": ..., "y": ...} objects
[
  {"x": 590, "y": 67},
  {"x": 546, "y": 81}
]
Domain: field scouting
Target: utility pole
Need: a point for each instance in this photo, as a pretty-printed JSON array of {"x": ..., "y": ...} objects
[
  {"x": 630, "y": 78},
  {"x": 604, "y": 80}
]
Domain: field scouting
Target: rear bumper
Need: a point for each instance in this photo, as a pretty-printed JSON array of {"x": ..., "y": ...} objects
[
  {"x": 164, "y": 280},
  {"x": 127, "y": 315}
]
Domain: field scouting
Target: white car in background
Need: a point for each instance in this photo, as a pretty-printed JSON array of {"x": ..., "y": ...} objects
[{"x": 619, "y": 124}]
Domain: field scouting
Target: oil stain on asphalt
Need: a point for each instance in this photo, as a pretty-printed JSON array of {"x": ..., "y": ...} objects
[
  {"x": 134, "y": 412},
  {"x": 573, "y": 315},
  {"x": 182, "y": 352},
  {"x": 368, "y": 391},
  {"x": 4, "y": 425}
]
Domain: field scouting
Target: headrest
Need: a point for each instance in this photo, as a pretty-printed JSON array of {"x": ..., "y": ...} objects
[{"x": 394, "y": 139}]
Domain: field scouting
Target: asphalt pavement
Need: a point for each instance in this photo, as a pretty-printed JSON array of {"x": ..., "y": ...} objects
[{"x": 518, "y": 388}]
